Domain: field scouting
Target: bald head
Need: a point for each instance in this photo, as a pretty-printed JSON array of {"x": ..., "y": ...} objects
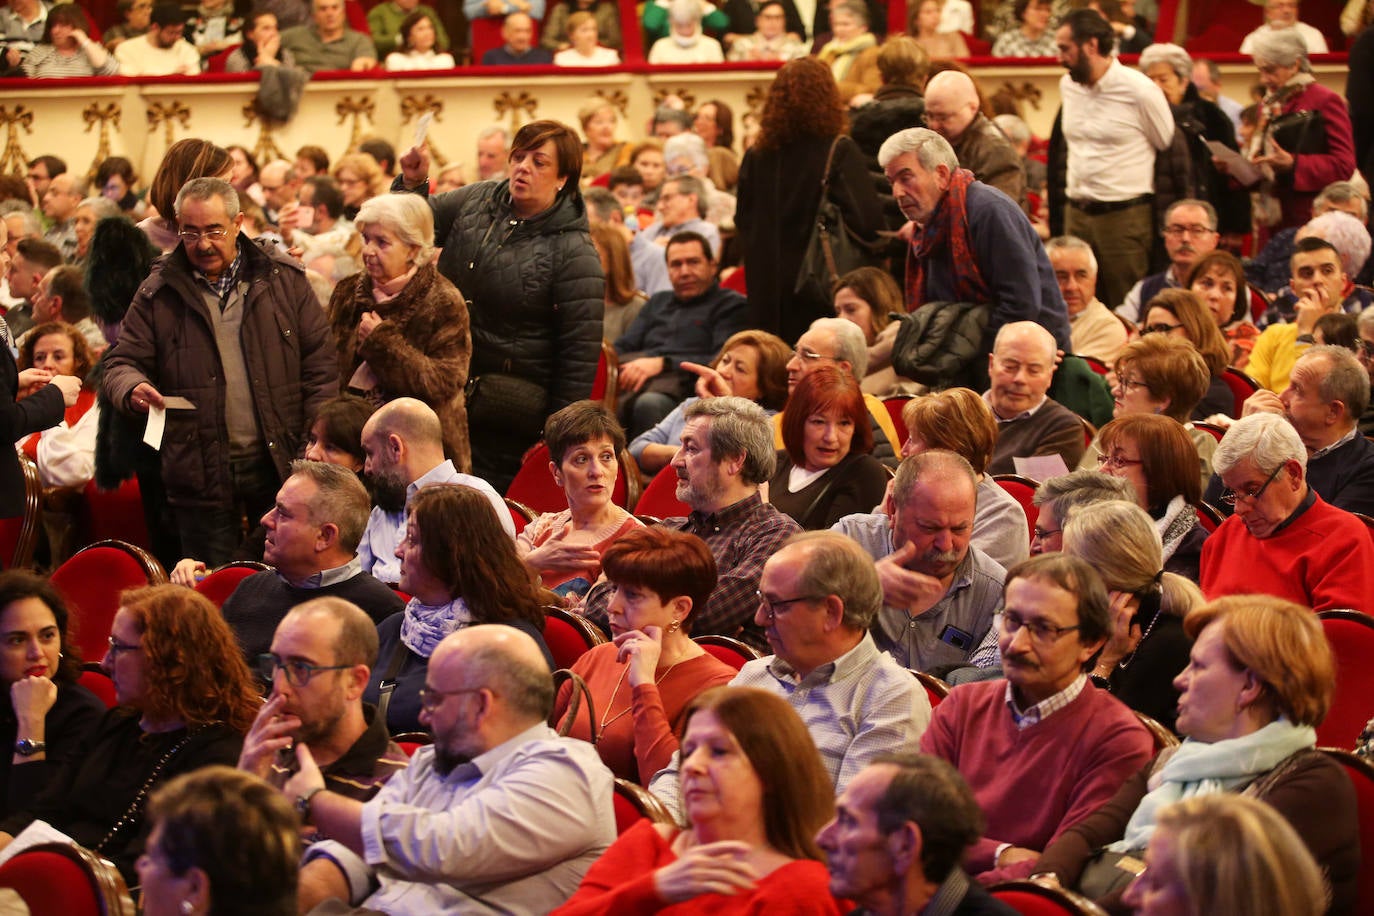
[
  {"x": 951, "y": 104},
  {"x": 501, "y": 659},
  {"x": 1021, "y": 367},
  {"x": 403, "y": 440},
  {"x": 279, "y": 184}
]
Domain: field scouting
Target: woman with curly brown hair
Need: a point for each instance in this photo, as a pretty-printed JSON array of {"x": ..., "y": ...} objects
[
  {"x": 185, "y": 699},
  {"x": 801, "y": 133}
]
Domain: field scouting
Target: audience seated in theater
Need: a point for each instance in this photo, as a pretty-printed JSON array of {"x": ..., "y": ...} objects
[
  {"x": 322, "y": 655},
  {"x": 1190, "y": 232},
  {"x": 601, "y": 151},
  {"x": 927, "y": 30},
  {"x": 310, "y": 161},
  {"x": 939, "y": 591},
  {"x": 687, "y": 154},
  {"x": 1156, "y": 456},
  {"x": 1058, "y": 498},
  {"x": 657, "y": 22},
  {"x": 685, "y": 42},
  {"x": 681, "y": 207},
  {"x": 1030, "y": 34},
  {"x": 647, "y": 158},
  {"x": 1029, "y": 423},
  {"x": 726, "y": 454},
  {"x": 517, "y": 36},
  {"x": 401, "y": 326},
  {"x": 1269, "y": 269},
  {"x": 852, "y": 52},
  {"x": 714, "y": 123},
  {"x": 826, "y": 470},
  {"x": 1259, "y": 680},
  {"x": 89, "y": 212},
  {"x": 1183, "y": 314},
  {"x": 1348, "y": 235},
  {"x": 954, "y": 111},
  {"x": 754, "y": 781},
  {"x": 660, "y": 577},
  {"x": 161, "y": 51},
  {"x": 801, "y": 136},
  {"x": 116, "y": 180},
  {"x": 899, "y": 835},
  {"x": 1282, "y": 15},
  {"x": 1284, "y": 539},
  {"x": 1093, "y": 330},
  {"x": 897, "y": 103},
  {"x": 329, "y": 242},
  {"x": 312, "y": 542},
  {"x": 47, "y": 716},
  {"x": 360, "y": 178},
  {"x": 59, "y": 202},
  {"x": 185, "y": 698},
  {"x": 869, "y": 297},
  {"x": 460, "y": 569},
  {"x": 387, "y": 23},
  {"x": 419, "y": 43},
  {"x": 1318, "y": 280},
  {"x": 856, "y": 701},
  {"x": 586, "y": 49},
  {"x": 1327, "y": 393},
  {"x": 184, "y": 160},
  {"x": 327, "y": 43},
  {"x": 221, "y": 842},
  {"x": 65, "y": 453},
  {"x": 494, "y": 9},
  {"x": 1218, "y": 279},
  {"x": 136, "y": 16},
  {"x": 1159, "y": 375},
  {"x": 67, "y": 48},
  {"x": 30, "y": 261},
  {"x": 403, "y": 442},
  {"x": 1074, "y": 744},
  {"x": 1147, "y": 648},
  {"x": 770, "y": 40},
  {"x": 751, "y": 364},
  {"x": 687, "y": 324},
  {"x": 974, "y": 245},
  {"x": 499, "y": 809},
  {"x": 959, "y": 420},
  {"x": 61, "y": 297},
  {"x": 564, "y": 548},
  {"x": 214, "y": 27},
  {"x": 555, "y": 35}
]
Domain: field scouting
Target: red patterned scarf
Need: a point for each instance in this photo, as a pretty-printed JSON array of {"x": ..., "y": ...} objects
[{"x": 946, "y": 236}]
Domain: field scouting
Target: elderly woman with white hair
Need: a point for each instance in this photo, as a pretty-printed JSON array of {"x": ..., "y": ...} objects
[
  {"x": 1171, "y": 69},
  {"x": 401, "y": 326},
  {"x": 685, "y": 42},
  {"x": 1304, "y": 135},
  {"x": 686, "y": 154},
  {"x": 89, "y": 212}
]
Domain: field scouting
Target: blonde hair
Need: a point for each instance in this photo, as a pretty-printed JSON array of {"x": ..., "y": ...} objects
[
  {"x": 366, "y": 168},
  {"x": 1120, "y": 541}
]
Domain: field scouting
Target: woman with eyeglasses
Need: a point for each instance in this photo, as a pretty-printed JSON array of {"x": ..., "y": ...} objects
[
  {"x": 1164, "y": 376},
  {"x": 185, "y": 700},
  {"x": 1259, "y": 680},
  {"x": 1181, "y": 313},
  {"x": 460, "y": 568}
]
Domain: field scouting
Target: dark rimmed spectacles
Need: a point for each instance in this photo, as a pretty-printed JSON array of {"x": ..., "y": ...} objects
[
  {"x": 297, "y": 672},
  {"x": 1230, "y": 497},
  {"x": 773, "y": 609},
  {"x": 1039, "y": 630},
  {"x": 431, "y": 698}
]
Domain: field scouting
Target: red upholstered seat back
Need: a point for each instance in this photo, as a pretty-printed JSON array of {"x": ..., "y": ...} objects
[
  {"x": 1241, "y": 385},
  {"x": 660, "y": 497},
  {"x": 1033, "y": 899},
  {"x": 569, "y": 636},
  {"x": 91, "y": 582},
  {"x": 1030, "y": 904},
  {"x": 1022, "y": 489},
  {"x": 1351, "y": 636},
  {"x": 534, "y": 487},
  {"x": 894, "y": 407},
  {"x": 51, "y": 883},
  {"x": 220, "y": 584},
  {"x": 727, "y": 649},
  {"x": 1361, "y": 775},
  {"x": 626, "y": 814},
  {"x": 99, "y": 683},
  {"x": 117, "y": 513}
]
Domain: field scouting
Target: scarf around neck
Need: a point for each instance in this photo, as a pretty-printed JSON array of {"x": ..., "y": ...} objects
[
  {"x": 424, "y": 626},
  {"x": 948, "y": 227}
]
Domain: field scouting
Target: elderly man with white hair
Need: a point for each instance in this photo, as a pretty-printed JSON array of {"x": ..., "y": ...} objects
[
  {"x": 1282, "y": 15},
  {"x": 1095, "y": 331},
  {"x": 953, "y": 111},
  {"x": 685, "y": 42},
  {"x": 1283, "y": 539},
  {"x": 1029, "y": 421},
  {"x": 973, "y": 243}
]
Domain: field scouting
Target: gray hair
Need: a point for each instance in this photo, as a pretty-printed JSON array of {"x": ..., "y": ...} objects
[
  {"x": 935, "y": 462},
  {"x": 739, "y": 427},
  {"x": 1341, "y": 192},
  {"x": 1164, "y": 53},
  {"x": 29, "y": 226},
  {"x": 1028, "y": 329},
  {"x": 665, "y": 113},
  {"x": 491, "y": 130},
  {"x": 1207, "y": 208},
  {"x": 1071, "y": 243},
  {"x": 931, "y": 149},
  {"x": 1366, "y": 321},
  {"x": 849, "y": 343},
  {"x": 528, "y": 688},
  {"x": 104, "y": 207},
  {"x": 930, "y": 793},
  {"x": 1346, "y": 233},
  {"x": 407, "y": 215},
  {"x": 341, "y": 501},
  {"x": 1267, "y": 439},
  {"x": 837, "y": 565},
  {"x": 689, "y": 145},
  {"x": 1281, "y": 48},
  {"x": 856, "y": 9},
  {"x": 1016, "y": 129},
  {"x": 1344, "y": 380},
  {"x": 681, "y": 11},
  {"x": 206, "y": 188},
  {"x": 1068, "y": 493},
  {"x": 1120, "y": 541},
  {"x": 690, "y": 184},
  {"x": 601, "y": 202}
]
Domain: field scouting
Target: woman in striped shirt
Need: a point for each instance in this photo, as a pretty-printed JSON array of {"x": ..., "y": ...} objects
[{"x": 67, "y": 50}]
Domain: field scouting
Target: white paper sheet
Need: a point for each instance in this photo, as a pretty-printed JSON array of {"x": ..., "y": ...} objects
[
  {"x": 157, "y": 424},
  {"x": 37, "y": 833}
]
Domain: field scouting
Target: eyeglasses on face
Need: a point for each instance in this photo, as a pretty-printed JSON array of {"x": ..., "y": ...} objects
[
  {"x": 810, "y": 356},
  {"x": 430, "y": 698},
  {"x": 117, "y": 647},
  {"x": 1039, "y": 630},
  {"x": 772, "y": 609},
  {"x": 1043, "y": 534},
  {"x": 1126, "y": 384},
  {"x": 1117, "y": 461},
  {"x": 1230, "y": 497},
  {"x": 1159, "y": 329},
  {"x": 1174, "y": 231},
  {"x": 297, "y": 672},
  {"x": 214, "y": 234}
]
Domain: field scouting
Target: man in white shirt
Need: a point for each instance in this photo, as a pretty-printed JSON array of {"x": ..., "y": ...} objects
[
  {"x": 162, "y": 51},
  {"x": 1283, "y": 14},
  {"x": 1114, "y": 121}
]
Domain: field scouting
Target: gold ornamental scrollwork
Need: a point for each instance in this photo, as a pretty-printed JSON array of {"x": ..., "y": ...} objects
[
  {"x": 357, "y": 109},
  {"x": 413, "y": 107},
  {"x": 266, "y": 149},
  {"x": 13, "y": 159},
  {"x": 515, "y": 104},
  {"x": 168, "y": 114},
  {"x": 687, "y": 97},
  {"x": 617, "y": 97},
  {"x": 104, "y": 115},
  {"x": 1026, "y": 92}
]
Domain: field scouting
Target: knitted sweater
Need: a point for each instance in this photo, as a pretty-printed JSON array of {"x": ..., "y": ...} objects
[{"x": 262, "y": 600}]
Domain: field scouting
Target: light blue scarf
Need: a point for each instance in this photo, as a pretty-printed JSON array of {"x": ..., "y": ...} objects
[{"x": 423, "y": 627}]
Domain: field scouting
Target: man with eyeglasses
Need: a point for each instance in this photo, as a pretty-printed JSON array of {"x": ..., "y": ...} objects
[
  {"x": 1045, "y": 748},
  {"x": 280, "y": 187},
  {"x": 321, "y": 657},
  {"x": 1283, "y": 539},
  {"x": 954, "y": 112},
  {"x": 817, "y": 599},
  {"x": 312, "y": 537},
  {"x": 681, "y": 208},
  {"x": 232, "y": 329},
  {"x": 1029, "y": 421},
  {"x": 1190, "y": 231},
  {"x": 500, "y": 814}
]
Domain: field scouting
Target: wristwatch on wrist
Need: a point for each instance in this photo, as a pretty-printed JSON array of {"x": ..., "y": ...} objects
[
  {"x": 303, "y": 802},
  {"x": 27, "y": 747}
]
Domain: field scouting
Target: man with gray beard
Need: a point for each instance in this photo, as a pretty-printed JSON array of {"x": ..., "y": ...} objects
[{"x": 939, "y": 591}]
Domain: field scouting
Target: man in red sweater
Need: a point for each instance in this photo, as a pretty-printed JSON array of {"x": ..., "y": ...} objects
[
  {"x": 1045, "y": 748},
  {"x": 1284, "y": 539}
]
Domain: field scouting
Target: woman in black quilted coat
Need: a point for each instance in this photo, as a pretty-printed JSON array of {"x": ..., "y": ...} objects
[{"x": 519, "y": 248}]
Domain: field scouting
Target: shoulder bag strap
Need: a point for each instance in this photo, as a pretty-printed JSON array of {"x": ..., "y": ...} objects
[
  {"x": 577, "y": 694},
  {"x": 388, "y": 682}
]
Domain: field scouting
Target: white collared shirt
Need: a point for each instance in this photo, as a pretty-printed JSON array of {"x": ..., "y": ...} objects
[{"x": 1113, "y": 129}]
